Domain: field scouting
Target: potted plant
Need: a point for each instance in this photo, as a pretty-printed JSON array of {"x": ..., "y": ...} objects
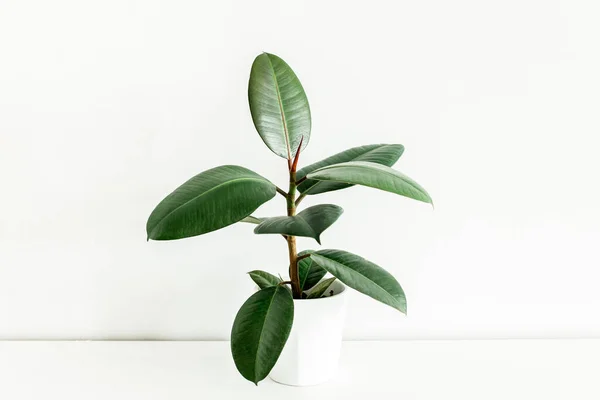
[{"x": 314, "y": 304}]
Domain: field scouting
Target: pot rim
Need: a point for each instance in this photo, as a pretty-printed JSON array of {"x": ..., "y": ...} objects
[{"x": 341, "y": 293}]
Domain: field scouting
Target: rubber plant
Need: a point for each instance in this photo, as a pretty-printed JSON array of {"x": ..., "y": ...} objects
[{"x": 229, "y": 194}]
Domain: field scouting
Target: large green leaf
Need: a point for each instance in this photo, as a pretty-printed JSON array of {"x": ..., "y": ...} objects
[
  {"x": 385, "y": 154},
  {"x": 209, "y": 201},
  {"x": 373, "y": 175},
  {"x": 310, "y": 222},
  {"x": 264, "y": 279},
  {"x": 320, "y": 288},
  {"x": 362, "y": 275},
  {"x": 278, "y": 105},
  {"x": 260, "y": 330},
  {"x": 309, "y": 272}
]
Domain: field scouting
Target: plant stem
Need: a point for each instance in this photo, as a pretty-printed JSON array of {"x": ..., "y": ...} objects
[
  {"x": 291, "y": 240},
  {"x": 281, "y": 192},
  {"x": 291, "y": 211},
  {"x": 299, "y": 199},
  {"x": 302, "y": 257}
]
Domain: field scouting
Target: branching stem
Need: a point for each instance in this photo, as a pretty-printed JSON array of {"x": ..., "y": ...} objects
[
  {"x": 299, "y": 199},
  {"x": 281, "y": 192},
  {"x": 302, "y": 257}
]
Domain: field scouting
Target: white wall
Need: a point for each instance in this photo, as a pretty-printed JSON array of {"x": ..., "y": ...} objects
[{"x": 105, "y": 107}]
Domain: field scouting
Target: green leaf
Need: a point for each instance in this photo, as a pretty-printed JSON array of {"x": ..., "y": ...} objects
[
  {"x": 310, "y": 222},
  {"x": 209, "y": 201},
  {"x": 309, "y": 272},
  {"x": 279, "y": 106},
  {"x": 373, "y": 175},
  {"x": 385, "y": 154},
  {"x": 264, "y": 279},
  {"x": 260, "y": 330},
  {"x": 321, "y": 288},
  {"x": 362, "y": 275}
]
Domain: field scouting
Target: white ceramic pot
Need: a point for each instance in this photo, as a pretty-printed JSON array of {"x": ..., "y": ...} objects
[{"x": 312, "y": 351}]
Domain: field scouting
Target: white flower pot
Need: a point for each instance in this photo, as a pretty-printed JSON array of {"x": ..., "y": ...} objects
[{"x": 312, "y": 352}]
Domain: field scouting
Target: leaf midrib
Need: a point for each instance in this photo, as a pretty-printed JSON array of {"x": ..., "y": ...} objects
[
  {"x": 280, "y": 103},
  {"x": 297, "y": 218},
  {"x": 206, "y": 192},
  {"x": 317, "y": 184},
  {"x": 310, "y": 228},
  {"x": 340, "y": 165},
  {"x": 395, "y": 300},
  {"x": 260, "y": 337},
  {"x": 303, "y": 282},
  {"x": 352, "y": 160},
  {"x": 308, "y": 259}
]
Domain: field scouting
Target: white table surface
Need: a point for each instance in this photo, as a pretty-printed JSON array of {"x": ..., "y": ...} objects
[{"x": 482, "y": 370}]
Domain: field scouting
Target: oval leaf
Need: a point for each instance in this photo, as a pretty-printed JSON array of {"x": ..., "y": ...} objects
[
  {"x": 264, "y": 279},
  {"x": 279, "y": 106},
  {"x": 384, "y": 154},
  {"x": 321, "y": 288},
  {"x": 362, "y": 275},
  {"x": 373, "y": 175},
  {"x": 260, "y": 330},
  {"x": 310, "y": 222},
  {"x": 309, "y": 272},
  {"x": 209, "y": 201}
]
